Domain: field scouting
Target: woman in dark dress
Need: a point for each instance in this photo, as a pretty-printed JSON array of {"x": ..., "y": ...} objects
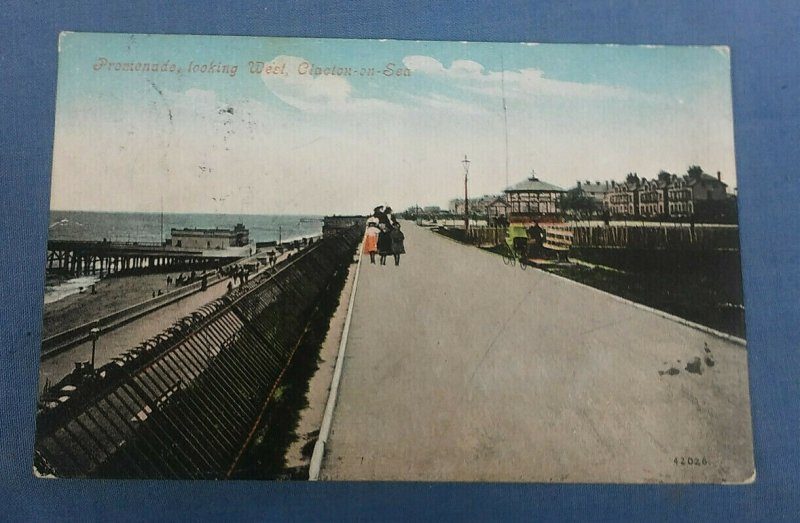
[
  {"x": 384, "y": 242},
  {"x": 388, "y": 218},
  {"x": 398, "y": 238}
]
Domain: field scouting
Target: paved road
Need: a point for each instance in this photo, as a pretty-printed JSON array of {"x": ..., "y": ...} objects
[{"x": 460, "y": 368}]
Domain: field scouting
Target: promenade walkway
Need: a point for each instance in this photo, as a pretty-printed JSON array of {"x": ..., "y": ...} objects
[
  {"x": 115, "y": 342},
  {"x": 118, "y": 341},
  {"x": 458, "y": 368}
]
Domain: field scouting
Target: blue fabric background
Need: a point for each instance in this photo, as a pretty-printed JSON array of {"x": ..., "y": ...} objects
[{"x": 764, "y": 37}]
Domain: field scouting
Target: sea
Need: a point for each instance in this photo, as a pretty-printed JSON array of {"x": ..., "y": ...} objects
[
  {"x": 144, "y": 227},
  {"x": 154, "y": 228}
]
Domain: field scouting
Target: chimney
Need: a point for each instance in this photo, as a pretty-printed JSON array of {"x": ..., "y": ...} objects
[
  {"x": 719, "y": 176},
  {"x": 613, "y": 183},
  {"x": 579, "y": 184},
  {"x": 606, "y": 184}
]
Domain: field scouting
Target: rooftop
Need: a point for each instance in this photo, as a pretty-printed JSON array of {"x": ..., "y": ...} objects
[
  {"x": 704, "y": 177},
  {"x": 534, "y": 184}
]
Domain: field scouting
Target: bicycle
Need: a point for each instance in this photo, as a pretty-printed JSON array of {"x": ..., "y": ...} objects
[
  {"x": 509, "y": 257},
  {"x": 515, "y": 247}
]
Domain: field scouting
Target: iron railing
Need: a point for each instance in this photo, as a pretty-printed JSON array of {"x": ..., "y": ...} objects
[{"x": 184, "y": 404}]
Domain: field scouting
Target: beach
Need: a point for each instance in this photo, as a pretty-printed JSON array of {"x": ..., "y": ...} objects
[{"x": 112, "y": 294}]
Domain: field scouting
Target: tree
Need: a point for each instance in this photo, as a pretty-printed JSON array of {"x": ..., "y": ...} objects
[
  {"x": 576, "y": 203},
  {"x": 694, "y": 171},
  {"x": 632, "y": 178}
]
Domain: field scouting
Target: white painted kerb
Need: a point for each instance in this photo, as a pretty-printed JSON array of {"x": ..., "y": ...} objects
[{"x": 327, "y": 419}]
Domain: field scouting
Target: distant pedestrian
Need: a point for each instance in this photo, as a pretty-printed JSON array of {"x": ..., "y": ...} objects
[
  {"x": 371, "y": 241},
  {"x": 537, "y": 236},
  {"x": 169, "y": 281},
  {"x": 398, "y": 242},
  {"x": 536, "y": 233},
  {"x": 230, "y": 285}
]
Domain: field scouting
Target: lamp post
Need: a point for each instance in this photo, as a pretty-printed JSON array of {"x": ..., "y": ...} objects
[
  {"x": 95, "y": 332},
  {"x": 466, "y": 163}
]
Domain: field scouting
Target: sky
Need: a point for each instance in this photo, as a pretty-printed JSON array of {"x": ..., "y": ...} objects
[{"x": 316, "y": 126}]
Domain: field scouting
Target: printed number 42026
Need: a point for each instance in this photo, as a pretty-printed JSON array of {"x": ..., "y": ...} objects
[{"x": 690, "y": 461}]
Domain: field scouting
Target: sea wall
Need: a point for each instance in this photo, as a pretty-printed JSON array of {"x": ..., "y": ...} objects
[{"x": 184, "y": 404}]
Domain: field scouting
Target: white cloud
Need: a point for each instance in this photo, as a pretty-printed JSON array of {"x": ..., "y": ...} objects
[
  {"x": 465, "y": 68},
  {"x": 472, "y": 76},
  {"x": 448, "y": 104},
  {"x": 424, "y": 64},
  {"x": 316, "y": 93}
]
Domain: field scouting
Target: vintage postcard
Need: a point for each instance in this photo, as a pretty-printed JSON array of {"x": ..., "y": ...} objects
[{"x": 366, "y": 260}]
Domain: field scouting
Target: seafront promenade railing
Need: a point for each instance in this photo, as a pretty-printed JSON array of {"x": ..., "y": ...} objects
[{"x": 186, "y": 403}]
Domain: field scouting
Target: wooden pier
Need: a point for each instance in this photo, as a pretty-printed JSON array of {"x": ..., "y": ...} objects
[{"x": 103, "y": 257}]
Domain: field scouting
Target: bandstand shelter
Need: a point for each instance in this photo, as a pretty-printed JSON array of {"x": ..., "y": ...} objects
[{"x": 533, "y": 199}]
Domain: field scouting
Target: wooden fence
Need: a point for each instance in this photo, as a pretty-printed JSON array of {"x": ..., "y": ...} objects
[
  {"x": 703, "y": 237},
  {"x": 657, "y": 238},
  {"x": 487, "y": 236}
]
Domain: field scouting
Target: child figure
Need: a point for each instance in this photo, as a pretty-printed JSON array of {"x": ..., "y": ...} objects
[{"x": 371, "y": 241}]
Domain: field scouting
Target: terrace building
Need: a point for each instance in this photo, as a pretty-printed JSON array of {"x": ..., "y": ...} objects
[
  {"x": 703, "y": 196},
  {"x": 622, "y": 199},
  {"x": 696, "y": 195},
  {"x": 596, "y": 191},
  {"x": 652, "y": 198}
]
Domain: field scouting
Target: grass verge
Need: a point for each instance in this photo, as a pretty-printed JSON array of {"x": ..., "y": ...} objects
[
  {"x": 700, "y": 297},
  {"x": 265, "y": 457}
]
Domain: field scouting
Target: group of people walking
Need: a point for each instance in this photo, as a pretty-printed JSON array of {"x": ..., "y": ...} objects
[{"x": 383, "y": 236}]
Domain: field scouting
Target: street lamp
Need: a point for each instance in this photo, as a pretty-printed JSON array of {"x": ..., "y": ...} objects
[
  {"x": 466, "y": 163},
  {"x": 95, "y": 332}
]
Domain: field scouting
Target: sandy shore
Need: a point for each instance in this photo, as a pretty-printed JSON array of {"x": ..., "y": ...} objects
[{"x": 112, "y": 294}]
